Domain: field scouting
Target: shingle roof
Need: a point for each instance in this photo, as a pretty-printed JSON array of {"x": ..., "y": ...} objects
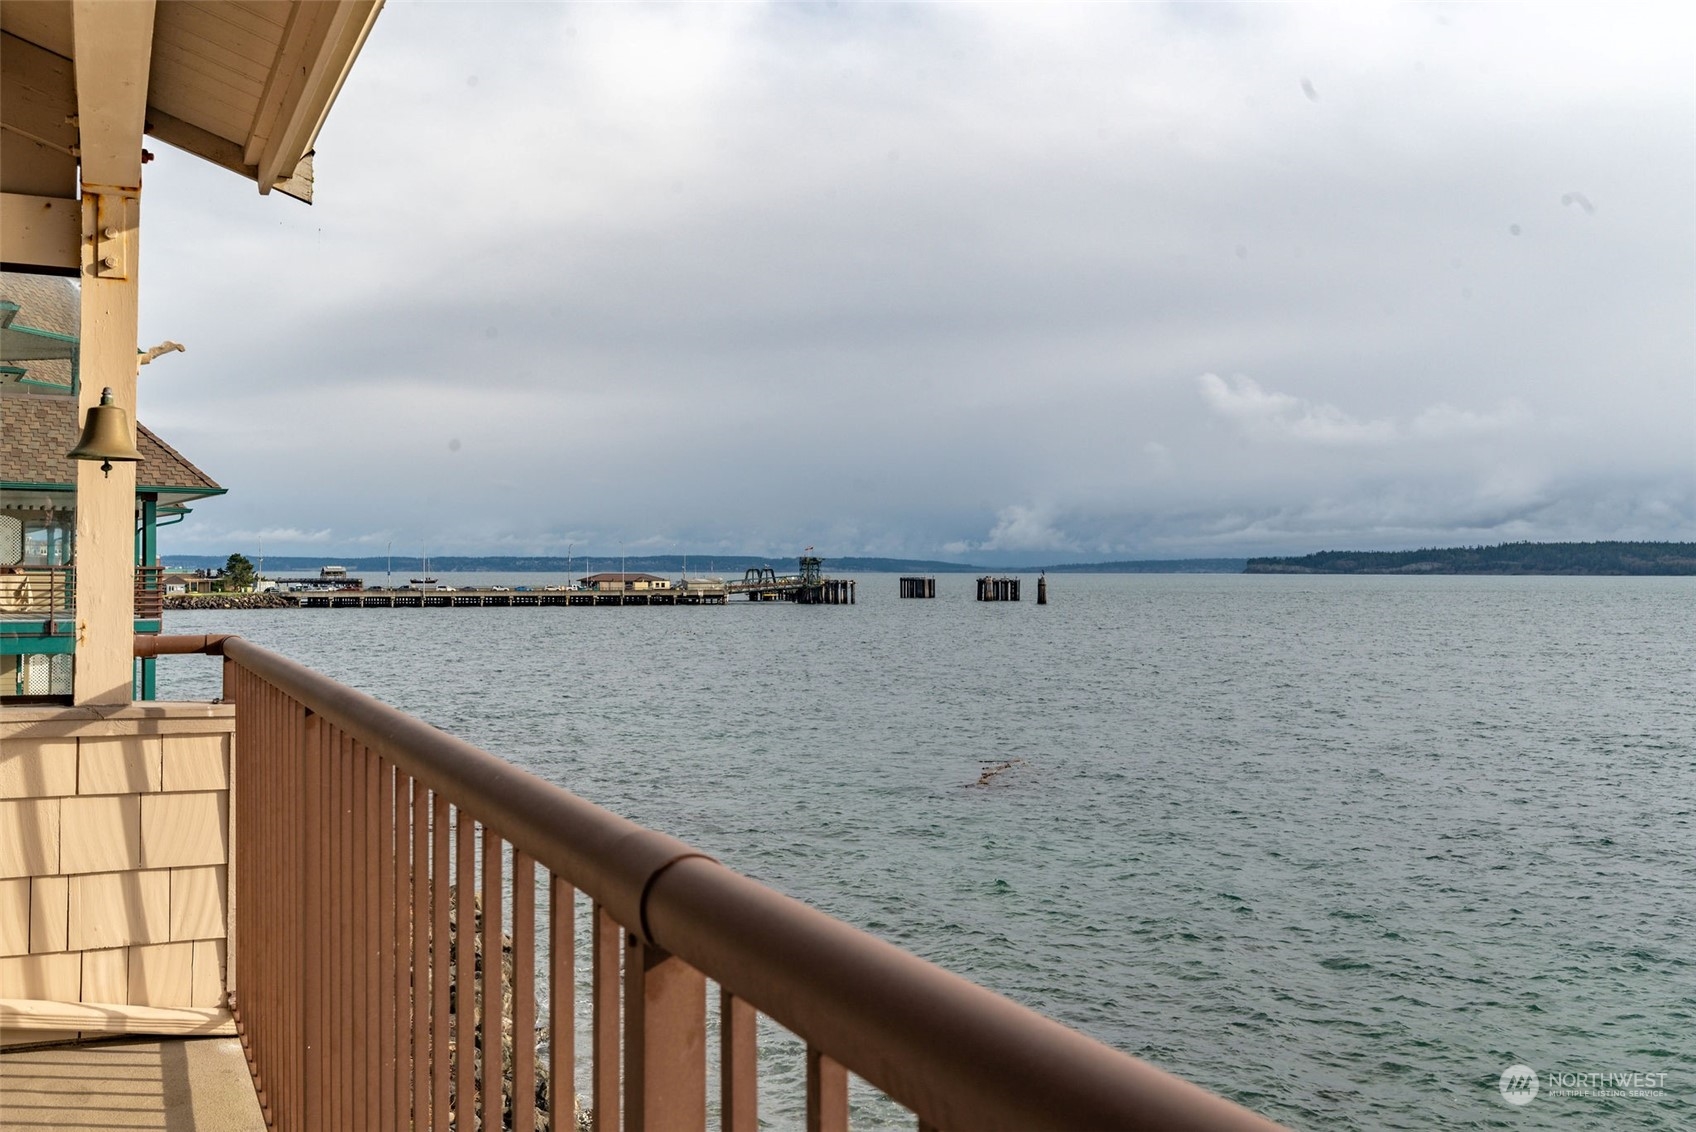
[
  {"x": 37, "y": 430},
  {"x": 45, "y": 302}
]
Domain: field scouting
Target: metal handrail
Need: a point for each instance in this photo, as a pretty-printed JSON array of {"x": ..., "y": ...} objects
[{"x": 956, "y": 1054}]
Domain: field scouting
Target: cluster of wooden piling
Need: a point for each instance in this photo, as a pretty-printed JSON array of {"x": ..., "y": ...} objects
[
  {"x": 828, "y": 591},
  {"x": 918, "y": 587},
  {"x": 998, "y": 589}
]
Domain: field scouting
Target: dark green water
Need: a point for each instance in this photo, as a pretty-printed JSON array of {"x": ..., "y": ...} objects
[{"x": 1343, "y": 849}]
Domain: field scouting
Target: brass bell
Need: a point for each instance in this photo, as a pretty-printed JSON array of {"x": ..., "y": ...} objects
[{"x": 106, "y": 435}]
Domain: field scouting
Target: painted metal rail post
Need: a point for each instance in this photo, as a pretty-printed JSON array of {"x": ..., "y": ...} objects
[{"x": 361, "y": 838}]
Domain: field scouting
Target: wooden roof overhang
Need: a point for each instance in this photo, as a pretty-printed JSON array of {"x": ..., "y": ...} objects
[{"x": 244, "y": 84}]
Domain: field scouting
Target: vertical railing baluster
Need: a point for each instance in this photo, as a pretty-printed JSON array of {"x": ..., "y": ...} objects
[
  {"x": 738, "y": 1068},
  {"x": 382, "y": 940},
  {"x": 465, "y": 977},
  {"x": 606, "y": 949},
  {"x": 371, "y": 1076},
  {"x": 494, "y": 1010},
  {"x": 441, "y": 1043},
  {"x": 523, "y": 993},
  {"x": 827, "y": 1093},
  {"x": 297, "y": 983},
  {"x": 562, "y": 1004},
  {"x": 423, "y": 1001},
  {"x": 265, "y": 888},
  {"x": 349, "y": 945},
  {"x": 665, "y": 1039},
  {"x": 342, "y": 1032},
  {"x": 361, "y": 896},
  {"x": 400, "y": 938},
  {"x": 333, "y": 951},
  {"x": 312, "y": 913}
]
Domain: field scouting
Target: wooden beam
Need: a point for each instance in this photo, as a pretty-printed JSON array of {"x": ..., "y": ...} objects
[
  {"x": 40, "y": 94},
  {"x": 224, "y": 153},
  {"x": 319, "y": 46},
  {"x": 38, "y": 135},
  {"x": 39, "y": 232},
  {"x": 114, "y": 44},
  {"x": 204, "y": 144}
]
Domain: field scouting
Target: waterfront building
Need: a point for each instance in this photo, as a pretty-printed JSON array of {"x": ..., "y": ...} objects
[
  {"x": 38, "y": 426},
  {"x": 620, "y": 582}
]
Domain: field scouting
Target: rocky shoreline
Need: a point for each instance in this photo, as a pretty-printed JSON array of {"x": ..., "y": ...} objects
[{"x": 270, "y": 600}]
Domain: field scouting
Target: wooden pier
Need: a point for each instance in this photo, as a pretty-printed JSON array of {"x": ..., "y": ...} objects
[
  {"x": 918, "y": 587},
  {"x": 998, "y": 589},
  {"x": 809, "y": 587},
  {"x": 500, "y": 599}
]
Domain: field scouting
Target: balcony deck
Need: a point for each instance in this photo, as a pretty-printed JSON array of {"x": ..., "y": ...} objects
[{"x": 174, "y": 1085}]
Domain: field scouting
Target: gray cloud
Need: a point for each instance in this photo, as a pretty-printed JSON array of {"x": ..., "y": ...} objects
[{"x": 1046, "y": 281}]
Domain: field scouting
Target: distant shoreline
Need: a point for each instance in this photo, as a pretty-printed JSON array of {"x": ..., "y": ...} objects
[
  {"x": 1563, "y": 559},
  {"x": 1622, "y": 559},
  {"x": 674, "y": 564}
]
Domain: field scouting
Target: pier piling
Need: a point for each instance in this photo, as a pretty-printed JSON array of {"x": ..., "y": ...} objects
[{"x": 918, "y": 587}]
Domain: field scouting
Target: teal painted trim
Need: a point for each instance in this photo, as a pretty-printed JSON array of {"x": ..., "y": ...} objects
[
  {"x": 179, "y": 517},
  {"x": 197, "y": 492},
  {"x": 46, "y": 385},
  {"x": 30, "y": 646},
  {"x": 147, "y": 541},
  {"x": 39, "y": 333},
  {"x": 16, "y": 371},
  {"x": 147, "y": 626},
  {"x": 147, "y": 683}
]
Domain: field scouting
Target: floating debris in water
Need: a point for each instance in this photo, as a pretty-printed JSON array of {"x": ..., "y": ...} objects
[{"x": 990, "y": 770}]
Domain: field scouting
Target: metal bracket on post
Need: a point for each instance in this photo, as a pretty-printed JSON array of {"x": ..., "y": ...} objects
[{"x": 109, "y": 224}]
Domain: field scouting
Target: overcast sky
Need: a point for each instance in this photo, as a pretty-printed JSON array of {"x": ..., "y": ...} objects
[{"x": 996, "y": 283}]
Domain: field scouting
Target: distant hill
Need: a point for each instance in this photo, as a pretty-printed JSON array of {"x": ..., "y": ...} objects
[
  {"x": 1153, "y": 566},
  {"x": 1508, "y": 558},
  {"x": 280, "y": 565}
]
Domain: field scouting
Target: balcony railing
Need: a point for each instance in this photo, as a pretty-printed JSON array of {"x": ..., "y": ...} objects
[
  {"x": 37, "y": 592},
  {"x": 149, "y": 593},
  {"x": 360, "y": 834},
  {"x": 50, "y": 592}
]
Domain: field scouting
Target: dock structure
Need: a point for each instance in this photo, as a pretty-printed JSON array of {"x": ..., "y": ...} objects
[
  {"x": 501, "y": 599},
  {"x": 998, "y": 589},
  {"x": 918, "y": 587},
  {"x": 809, "y": 587}
]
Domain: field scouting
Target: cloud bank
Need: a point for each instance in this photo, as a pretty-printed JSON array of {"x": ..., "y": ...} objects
[{"x": 951, "y": 280}]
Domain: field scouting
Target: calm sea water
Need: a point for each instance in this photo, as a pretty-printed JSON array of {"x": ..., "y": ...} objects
[{"x": 1342, "y": 849}]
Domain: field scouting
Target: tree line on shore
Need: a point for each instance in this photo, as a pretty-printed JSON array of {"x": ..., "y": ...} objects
[{"x": 1617, "y": 558}]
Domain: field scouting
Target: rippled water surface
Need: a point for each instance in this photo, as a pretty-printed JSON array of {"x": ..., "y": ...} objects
[{"x": 1342, "y": 849}]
